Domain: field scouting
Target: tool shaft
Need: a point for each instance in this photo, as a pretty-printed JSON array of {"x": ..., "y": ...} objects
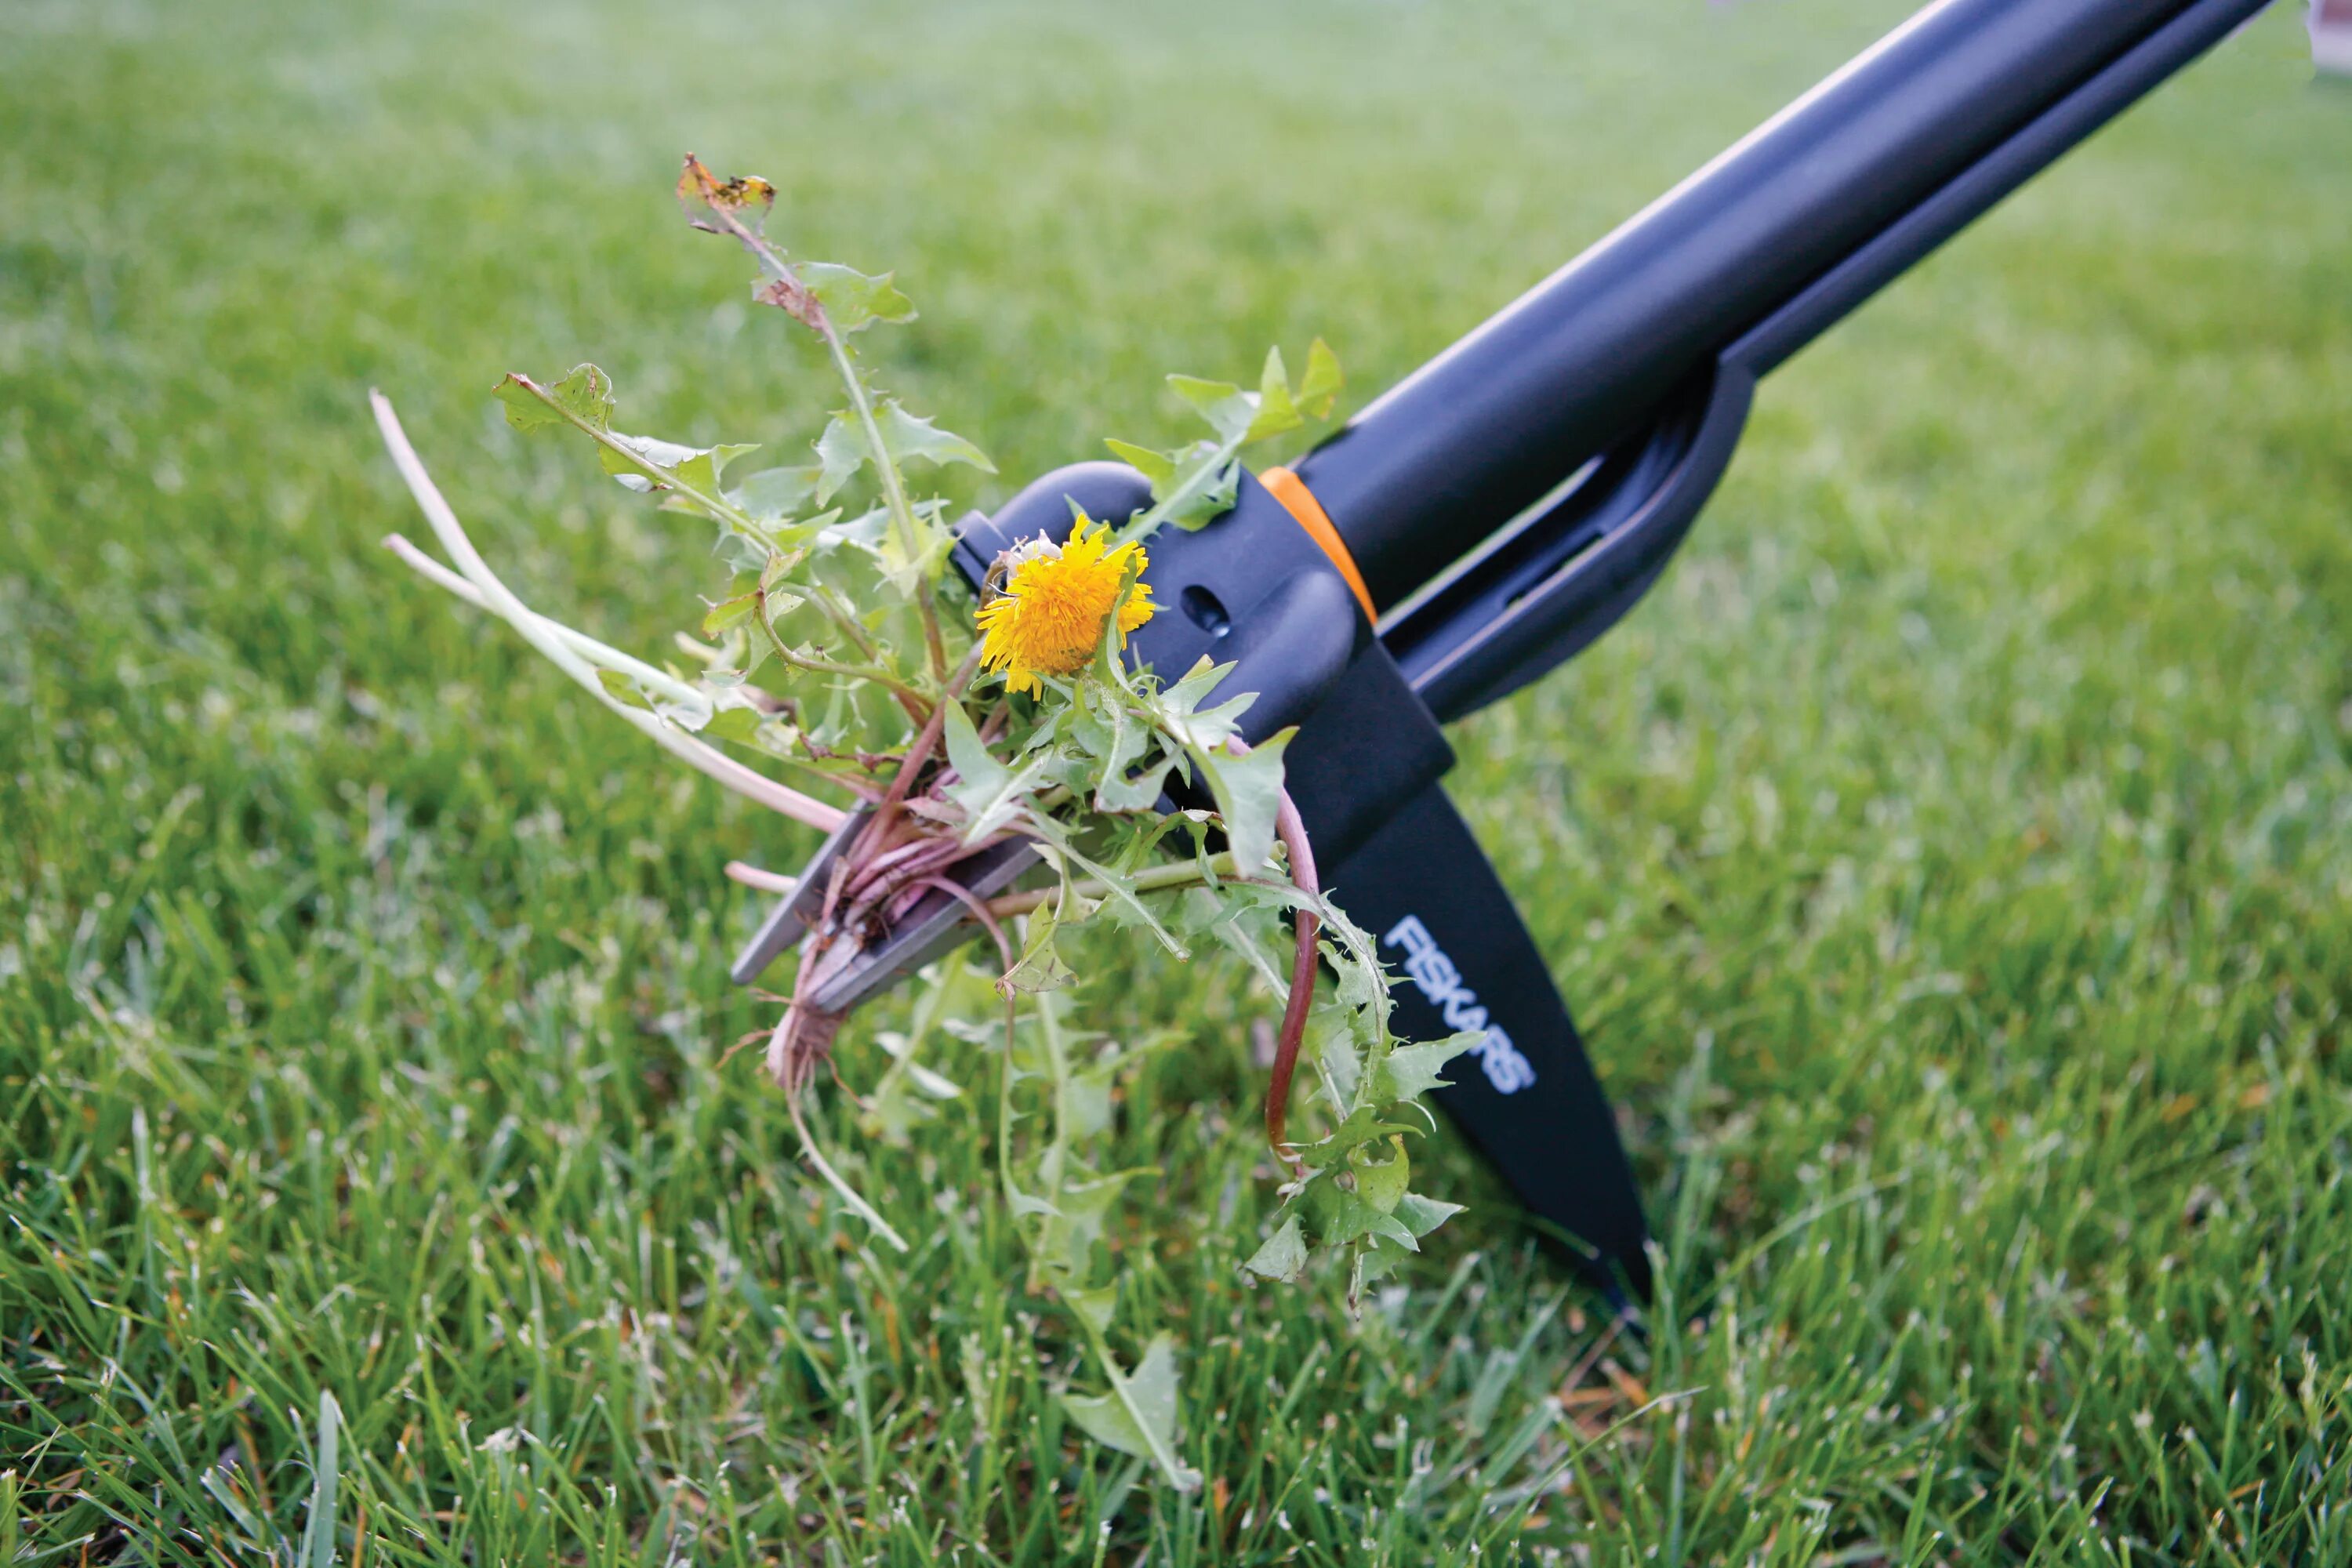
[{"x": 1586, "y": 358}]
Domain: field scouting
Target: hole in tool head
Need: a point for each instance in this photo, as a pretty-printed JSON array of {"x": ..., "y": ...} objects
[{"x": 1205, "y": 610}]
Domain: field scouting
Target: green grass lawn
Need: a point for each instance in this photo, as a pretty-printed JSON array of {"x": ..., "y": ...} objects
[{"x": 1951, "y": 861}]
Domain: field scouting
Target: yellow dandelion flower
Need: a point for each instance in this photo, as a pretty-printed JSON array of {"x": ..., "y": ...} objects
[{"x": 1049, "y": 617}]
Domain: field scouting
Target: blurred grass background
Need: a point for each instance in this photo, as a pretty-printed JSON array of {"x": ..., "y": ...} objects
[{"x": 1951, "y": 862}]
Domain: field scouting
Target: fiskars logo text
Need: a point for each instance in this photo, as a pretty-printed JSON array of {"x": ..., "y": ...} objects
[{"x": 1439, "y": 979}]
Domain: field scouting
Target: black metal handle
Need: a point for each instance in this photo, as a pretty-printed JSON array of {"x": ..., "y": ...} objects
[
  {"x": 1821, "y": 204},
  {"x": 1541, "y": 596}
]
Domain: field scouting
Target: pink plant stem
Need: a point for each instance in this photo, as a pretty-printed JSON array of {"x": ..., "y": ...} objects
[
  {"x": 886, "y": 812},
  {"x": 890, "y": 891},
  {"x": 884, "y": 863},
  {"x": 766, "y": 881},
  {"x": 1293, "y": 833}
]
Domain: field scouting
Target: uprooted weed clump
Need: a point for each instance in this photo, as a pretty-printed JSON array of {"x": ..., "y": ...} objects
[{"x": 841, "y": 648}]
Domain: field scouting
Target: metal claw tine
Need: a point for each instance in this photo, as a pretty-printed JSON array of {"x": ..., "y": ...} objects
[
  {"x": 790, "y": 917},
  {"x": 932, "y": 927}
]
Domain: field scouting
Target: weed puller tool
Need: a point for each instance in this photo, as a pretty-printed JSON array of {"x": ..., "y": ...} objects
[{"x": 1499, "y": 510}]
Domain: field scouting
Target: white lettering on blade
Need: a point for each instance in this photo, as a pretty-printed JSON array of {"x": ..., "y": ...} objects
[{"x": 1438, "y": 978}]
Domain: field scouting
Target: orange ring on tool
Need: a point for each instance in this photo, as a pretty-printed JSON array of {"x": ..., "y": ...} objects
[{"x": 1300, "y": 503}]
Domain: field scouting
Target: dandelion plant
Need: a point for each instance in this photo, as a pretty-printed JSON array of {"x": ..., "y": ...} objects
[{"x": 923, "y": 726}]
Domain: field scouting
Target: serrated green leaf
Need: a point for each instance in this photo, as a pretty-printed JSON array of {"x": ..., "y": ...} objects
[
  {"x": 1283, "y": 1256},
  {"x": 687, "y": 710},
  {"x": 1248, "y": 793},
  {"x": 1240, "y": 922},
  {"x": 1334, "y": 1032},
  {"x": 1214, "y": 502},
  {"x": 1160, "y": 467},
  {"x": 1362, "y": 986},
  {"x": 686, "y": 714},
  {"x": 1026, "y": 1205},
  {"x": 1121, "y": 898},
  {"x": 1178, "y": 711},
  {"x": 1380, "y": 1182},
  {"x": 727, "y": 613},
  {"x": 1099, "y": 724},
  {"x": 732, "y": 724},
  {"x": 1096, "y": 1306},
  {"x": 989, "y": 791},
  {"x": 648, "y": 463},
  {"x": 773, "y": 494},
  {"x": 1411, "y": 1071},
  {"x": 1363, "y": 1126},
  {"x": 1380, "y": 1258},
  {"x": 991, "y": 808},
  {"x": 641, "y": 461},
  {"x": 1211, "y": 479},
  {"x": 1135, "y": 792},
  {"x": 1276, "y": 412},
  {"x": 910, "y": 436},
  {"x": 1341, "y": 1216},
  {"x": 1422, "y": 1214},
  {"x": 1040, "y": 966},
  {"x": 738, "y": 551},
  {"x": 586, "y": 393},
  {"x": 1319, "y": 387},
  {"x": 972, "y": 760},
  {"x": 1086, "y": 1206},
  {"x": 1116, "y": 739},
  {"x": 843, "y": 449},
  {"x": 852, "y": 300},
  {"x": 621, "y": 688},
  {"x": 1138, "y": 1415},
  {"x": 1226, "y": 407},
  {"x": 840, "y": 452},
  {"x": 1194, "y": 687},
  {"x": 705, "y": 468}
]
